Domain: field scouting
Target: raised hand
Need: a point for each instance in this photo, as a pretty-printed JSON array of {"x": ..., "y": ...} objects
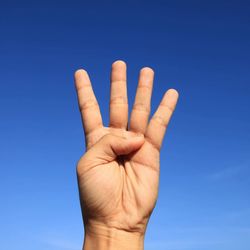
[{"x": 118, "y": 175}]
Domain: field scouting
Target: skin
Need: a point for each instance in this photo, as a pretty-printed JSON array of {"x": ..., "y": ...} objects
[{"x": 118, "y": 176}]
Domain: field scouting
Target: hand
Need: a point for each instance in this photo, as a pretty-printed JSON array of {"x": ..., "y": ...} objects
[{"x": 118, "y": 175}]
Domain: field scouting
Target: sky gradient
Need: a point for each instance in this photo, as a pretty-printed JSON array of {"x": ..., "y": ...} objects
[{"x": 200, "y": 48}]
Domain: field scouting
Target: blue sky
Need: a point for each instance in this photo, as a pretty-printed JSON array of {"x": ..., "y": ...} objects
[{"x": 201, "y": 48}]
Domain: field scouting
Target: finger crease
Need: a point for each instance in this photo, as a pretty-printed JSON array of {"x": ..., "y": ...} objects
[
  {"x": 144, "y": 86},
  {"x": 88, "y": 104},
  {"x": 118, "y": 100},
  {"x": 171, "y": 109},
  {"x": 141, "y": 107},
  {"x": 160, "y": 120},
  {"x": 118, "y": 81},
  {"x": 155, "y": 145}
]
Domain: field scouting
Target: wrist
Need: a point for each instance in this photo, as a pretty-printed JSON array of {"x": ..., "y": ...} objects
[{"x": 106, "y": 238}]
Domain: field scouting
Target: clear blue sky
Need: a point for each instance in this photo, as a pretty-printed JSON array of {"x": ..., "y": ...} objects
[{"x": 201, "y": 48}]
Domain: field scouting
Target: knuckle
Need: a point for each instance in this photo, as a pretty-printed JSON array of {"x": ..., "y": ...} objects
[
  {"x": 168, "y": 107},
  {"x": 159, "y": 120},
  {"x": 118, "y": 81},
  {"x": 88, "y": 104},
  {"x": 143, "y": 86},
  {"x": 118, "y": 100},
  {"x": 79, "y": 166},
  {"x": 156, "y": 145},
  {"x": 141, "y": 107}
]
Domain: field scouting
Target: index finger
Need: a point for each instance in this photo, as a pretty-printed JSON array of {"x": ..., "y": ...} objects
[{"x": 88, "y": 105}]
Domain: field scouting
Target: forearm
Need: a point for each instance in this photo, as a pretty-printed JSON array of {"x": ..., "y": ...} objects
[{"x": 112, "y": 239}]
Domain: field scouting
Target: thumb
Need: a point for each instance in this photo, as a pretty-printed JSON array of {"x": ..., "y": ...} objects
[{"x": 112, "y": 146}]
